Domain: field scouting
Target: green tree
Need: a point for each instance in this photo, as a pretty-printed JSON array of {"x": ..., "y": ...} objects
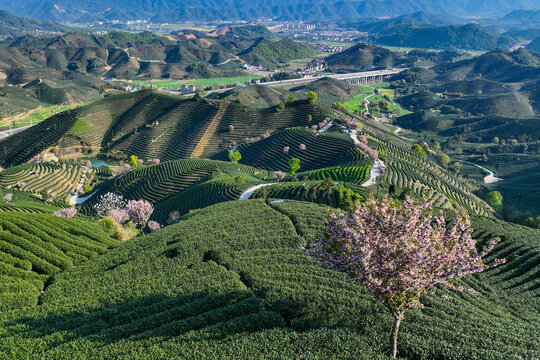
[
  {"x": 312, "y": 97},
  {"x": 495, "y": 140},
  {"x": 417, "y": 149},
  {"x": 133, "y": 160},
  {"x": 290, "y": 99},
  {"x": 309, "y": 118},
  {"x": 443, "y": 160},
  {"x": 281, "y": 106},
  {"x": 235, "y": 156},
  {"x": 294, "y": 165},
  {"x": 494, "y": 199},
  {"x": 436, "y": 146}
]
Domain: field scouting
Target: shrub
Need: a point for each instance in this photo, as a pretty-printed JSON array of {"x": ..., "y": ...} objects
[
  {"x": 133, "y": 161},
  {"x": 153, "y": 225}
]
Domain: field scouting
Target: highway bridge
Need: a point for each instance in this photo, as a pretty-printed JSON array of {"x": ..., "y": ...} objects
[{"x": 358, "y": 78}]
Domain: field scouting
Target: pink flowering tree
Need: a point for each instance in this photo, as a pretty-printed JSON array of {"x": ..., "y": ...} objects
[
  {"x": 139, "y": 212},
  {"x": 399, "y": 251},
  {"x": 8, "y": 197},
  {"x": 286, "y": 149},
  {"x": 231, "y": 128},
  {"x": 153, "y": 225},
  {"x": 109, "y": 201},
  {"x": 67, "y": 212},
  {"x": 302, "y": 147},
  {"x": 119, "y": 216},
  {"x": 278, "y": 175}
]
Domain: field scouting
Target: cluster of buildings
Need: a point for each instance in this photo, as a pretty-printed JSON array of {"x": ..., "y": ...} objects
[
  {"x": 187, "y": 89},
  {"x": 294, "y": 26},
  {"x": 131, "y": 88},
  {"x": 251, "y": 67}
]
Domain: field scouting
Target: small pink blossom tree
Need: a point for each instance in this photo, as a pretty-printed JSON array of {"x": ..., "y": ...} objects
[
  {"x": 139, "y": 212},
  {"x": 8, "y": 197},
  {"x": 153, "y": 225},
  {"x": 302, "y": 147},
  {"x": 67, "y": 213},
  {"x": 286, "y": 149},
  {"x": 119, "y": 216},
  {"x": 279, "y": 175},
  {"x": 398, "y": 251}
]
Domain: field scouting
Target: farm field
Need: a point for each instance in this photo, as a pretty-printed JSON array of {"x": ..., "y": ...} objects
[
  {"x": 354, "y": 104},
  {"x": 35, "y": 116}
]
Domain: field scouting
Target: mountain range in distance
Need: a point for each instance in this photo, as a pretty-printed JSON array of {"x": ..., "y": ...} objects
[{"x": 161, "y": 11}]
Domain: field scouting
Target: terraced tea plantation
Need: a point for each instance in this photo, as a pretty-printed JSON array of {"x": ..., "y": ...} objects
[
  {"x": 57, "y": 181},
  {"x": 33, "y": 247},
  {"x": 214, "y": 286},
  {"x": 214, "y": 267}
]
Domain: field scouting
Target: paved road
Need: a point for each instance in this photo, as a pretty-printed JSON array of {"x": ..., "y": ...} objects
[
  {"x": 247, "y": 194},
  {"x": 488, "y": 179},
  {"x": 6, "y": 133}
]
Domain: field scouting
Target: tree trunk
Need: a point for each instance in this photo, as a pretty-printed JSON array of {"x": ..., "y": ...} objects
[{"x": 394, "y": 336}]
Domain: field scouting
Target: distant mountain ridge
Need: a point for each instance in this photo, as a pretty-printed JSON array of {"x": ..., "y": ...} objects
[
  {"x": 469, "y": 37},
  {"x": 208, "y": 10},
  {"x": 11, "y": 25}
]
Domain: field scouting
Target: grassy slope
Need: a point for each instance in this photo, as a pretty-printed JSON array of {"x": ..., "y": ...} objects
[{"x": 258, "y": 295}]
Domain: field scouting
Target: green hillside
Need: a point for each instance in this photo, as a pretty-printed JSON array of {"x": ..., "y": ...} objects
[
  {"x": 220, "y": 287},
  {"x": 33, "y": 247},
  {"x": 11, "y": 25},
  {"x": 470, "y": 37},
  {"x": 271, "y": 53},
  {"x": 357, "y": 57},
  {"x": 154, "y": 125}
]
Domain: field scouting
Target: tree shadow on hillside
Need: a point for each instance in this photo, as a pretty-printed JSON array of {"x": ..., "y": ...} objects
[{"x": 213, "y": 316}]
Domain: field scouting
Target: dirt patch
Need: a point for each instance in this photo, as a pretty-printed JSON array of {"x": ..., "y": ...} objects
[
  {"x": 219, "y": 32},
  {"x": 170, "y": 37},
  {"x": 205, "y": 43}
]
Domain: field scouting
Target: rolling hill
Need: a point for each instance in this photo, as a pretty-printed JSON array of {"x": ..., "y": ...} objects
[
  {"x": 224, "y": 277},
  {"x": 360, "y": 56},
  {"x": 11, "y": 25},
  {"x": 222, "y": 287},
  {"x": 467, "y": 37}
]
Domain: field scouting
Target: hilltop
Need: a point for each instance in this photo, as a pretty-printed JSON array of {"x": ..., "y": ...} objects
[
  {"x": 361, "y": 56},
  {"x": 11, "y": 25},
  {"x": 468, "y": 37}
]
